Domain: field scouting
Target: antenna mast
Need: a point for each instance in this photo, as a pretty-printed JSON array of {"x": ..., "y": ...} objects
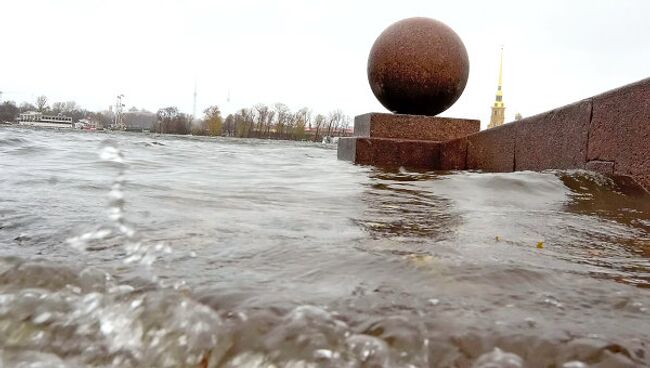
[{"x": 118, "y": 124}]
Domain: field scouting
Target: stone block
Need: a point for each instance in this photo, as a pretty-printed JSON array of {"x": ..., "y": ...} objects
[
  {"x": 346, "y": 149},
  {"x": 620, "y": 130},
  {"x": 492, "y": 149},
  {"x": 416, "y": 127},
  {"x": 453, "y": 154},
  {"x": 390, "y": 152},
  {"x": 555, "y": 139}
]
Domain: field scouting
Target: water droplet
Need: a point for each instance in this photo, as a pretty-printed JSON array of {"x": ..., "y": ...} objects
[
  {"x": 42, "y": 318},
  {"x": 574, "y": 364},
  {"x": 497, "y": 358},
  {"x": 324, "y": 354}
]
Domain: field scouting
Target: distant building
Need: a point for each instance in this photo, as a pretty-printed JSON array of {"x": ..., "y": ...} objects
[
  {"x": 30, "y": 116},
  {"x": 33, "y": 118},
  {"x": 498, "y": 108},
  {"x": 138, "y": 121}
]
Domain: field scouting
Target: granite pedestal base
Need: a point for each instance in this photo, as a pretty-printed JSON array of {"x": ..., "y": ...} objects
[
  {"x": 417, "y": 127},
  {"x": 385, "y": 152},
  {"x": 394, "y": 140}
]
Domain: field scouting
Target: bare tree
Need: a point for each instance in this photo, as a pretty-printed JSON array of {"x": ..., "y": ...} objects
[
  {"x": 333, "y": 121},
  {"x": 57, "y": 108},
  {"x": 262, "y": 114},
  {"x": 302, "y": 116},
  {"x": 292, "y": 122},
  {"x": 244, "y": 121},
  {"x": 229, "y": 125},
  {"x": 319, "y": 123},
  {"x": 69, "y": 106},
  {"x": 282, "y": 115},
  {"x": 269, "y": 123},
  {"x": 213, "y": 121},
  {"x": 26, "y": 106},
  {"x": 168, "y": 119},
  {"x": 8, "y": 111},
  {"x": 345, "y": 125},
  {"x": 249, "y": 120},
  {"x": 240, "y": 123},
  {"x": 41, "y": 103}
]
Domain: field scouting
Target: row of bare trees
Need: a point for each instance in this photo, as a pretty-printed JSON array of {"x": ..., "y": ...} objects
[
  {"x": 260, "y": 121},
  {"x": 279, "y": 122}
]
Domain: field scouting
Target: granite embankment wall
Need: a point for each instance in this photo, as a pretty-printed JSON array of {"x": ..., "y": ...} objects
[{"x": 608, "y": 133}]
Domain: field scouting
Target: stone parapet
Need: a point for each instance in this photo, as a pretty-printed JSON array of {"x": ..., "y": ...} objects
[
  {"x": 608, "y": 133},
  {"x": 620, "y": 131},
  {"x": 493, "y": 150},
  {"x": 554, "y": 139}
]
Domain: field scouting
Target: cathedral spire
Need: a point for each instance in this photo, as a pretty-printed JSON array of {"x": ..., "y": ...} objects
[
  {"x": 501, "y": 70},
  {"x": 498, "y": 108}
]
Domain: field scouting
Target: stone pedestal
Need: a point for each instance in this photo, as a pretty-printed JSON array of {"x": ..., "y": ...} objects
[{"x": 394, "y": 140}]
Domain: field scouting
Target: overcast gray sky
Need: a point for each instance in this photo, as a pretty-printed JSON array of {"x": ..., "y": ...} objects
[{"x": 308, "y": 53}]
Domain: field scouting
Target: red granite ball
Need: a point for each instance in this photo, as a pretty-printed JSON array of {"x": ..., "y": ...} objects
[{"x": 418, "y": 66}]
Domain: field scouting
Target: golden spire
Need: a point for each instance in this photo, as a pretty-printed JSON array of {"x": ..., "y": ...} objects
[
  {"x": 498, "y": 108},
  {"x": 501, "y": 70},
  {"x": 499, "y": 100}
]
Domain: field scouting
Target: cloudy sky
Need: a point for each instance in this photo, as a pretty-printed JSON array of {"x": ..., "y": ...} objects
[{"x": 309, "y": 53}]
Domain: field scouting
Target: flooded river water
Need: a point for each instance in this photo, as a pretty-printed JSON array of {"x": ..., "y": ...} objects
[{"x": 129, "y": 250}]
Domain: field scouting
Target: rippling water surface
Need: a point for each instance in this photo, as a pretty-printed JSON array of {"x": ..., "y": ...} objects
[{"x": 124, "y": 250}]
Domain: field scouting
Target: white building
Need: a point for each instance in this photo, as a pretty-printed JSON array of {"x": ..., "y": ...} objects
[{"x": 33, "y": 118}]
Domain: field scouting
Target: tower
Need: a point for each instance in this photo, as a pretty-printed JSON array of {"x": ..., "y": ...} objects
[
  {"x": 118, "y": 122},
  {"x": 498, "y": 108}
]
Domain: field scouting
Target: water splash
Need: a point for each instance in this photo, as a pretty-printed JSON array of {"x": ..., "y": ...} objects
[{"x": 137, "y": 251}]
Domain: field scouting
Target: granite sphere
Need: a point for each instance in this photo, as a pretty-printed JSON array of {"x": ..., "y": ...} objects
[{"x": 418, "y": 66}]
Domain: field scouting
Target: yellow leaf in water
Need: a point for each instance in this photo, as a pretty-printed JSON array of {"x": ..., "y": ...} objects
[
  {"x": 497, "y": 238},
  {"x": 540, "y": 245}
]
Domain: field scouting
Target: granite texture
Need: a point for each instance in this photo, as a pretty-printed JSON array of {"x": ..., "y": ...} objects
[
  {"x": 492, "y": 149},
  {"x": 391, "y": 152},
  {"x": 419, "y": 127},
  {"x": 554, "y": 139},
  {"x": 418, "y": 66},
  {"x": 603, "y": 167},
  {"x": 620, "y": 130},
  {"x": 644, "y": 181},
  {"x": 453, "y": 154}
]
